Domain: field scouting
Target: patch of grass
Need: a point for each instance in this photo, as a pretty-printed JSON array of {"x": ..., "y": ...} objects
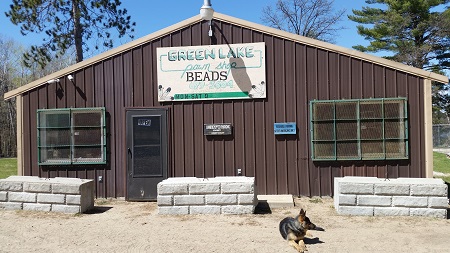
[
  {"x": 8, "y": 167},
  {"x": 441, "y": 164},
  {"x": 315, "y": 200},
  {"x": 102, "y": 201}
]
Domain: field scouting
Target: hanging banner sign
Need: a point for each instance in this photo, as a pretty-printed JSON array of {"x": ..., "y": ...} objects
[{"x": 236, "y": 71}]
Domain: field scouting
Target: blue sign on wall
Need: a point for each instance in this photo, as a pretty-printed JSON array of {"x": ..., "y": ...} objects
[{"x": 285, "y": 128}]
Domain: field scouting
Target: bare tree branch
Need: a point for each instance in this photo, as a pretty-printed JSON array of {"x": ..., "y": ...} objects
[{"x": 316, "y": 19}]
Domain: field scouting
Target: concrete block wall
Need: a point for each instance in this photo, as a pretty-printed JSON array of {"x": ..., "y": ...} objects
[
  {"x": 220, "y": 195},
  {"x": 66, "y": 195},
  {"x": 394, "y": 197}
]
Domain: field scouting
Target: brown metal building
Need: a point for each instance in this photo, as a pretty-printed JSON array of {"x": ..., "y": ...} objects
[{"x": 305, "y": 79}]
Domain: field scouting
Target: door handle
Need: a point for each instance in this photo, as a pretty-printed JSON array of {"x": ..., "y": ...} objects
[{"x": 129, "y": 152}]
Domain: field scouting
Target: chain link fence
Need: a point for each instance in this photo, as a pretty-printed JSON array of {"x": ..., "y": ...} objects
[{"x": 441, "y": 138}]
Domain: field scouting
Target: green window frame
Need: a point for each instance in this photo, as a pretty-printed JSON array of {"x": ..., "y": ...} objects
[
  {"x": 71, "y": 136},
  {"x": 359, "y": 129}
]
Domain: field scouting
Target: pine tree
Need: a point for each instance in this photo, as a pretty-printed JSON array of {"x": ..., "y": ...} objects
[
  {"x": 413, "y": 30},
  {"x": 417, "y": 33},
  {"x": 69, "y": 23}
]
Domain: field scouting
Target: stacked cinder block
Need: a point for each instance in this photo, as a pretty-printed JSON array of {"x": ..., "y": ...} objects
[
  {"x": 220, "y": 195},
  {"x": 66, "y": 195},
  {"x": 394, "y": 197}
]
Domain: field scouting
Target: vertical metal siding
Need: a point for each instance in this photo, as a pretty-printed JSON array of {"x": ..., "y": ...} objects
[
  {"x": 219, "y": 145},
  {"x": 117, "y": 131},
  {"x": 188, "y": 135},
  {"x": 138, "y": 85},
  {"x": 111, "y": 151},
  {"x": 270, "y": 144},
  {"x": 260, "y": 144},
  {"x": 416, "y": 132},
  {"x": 208, "y": 143},
  {"x": 70, "y": 103},
  {"x": 313, "y": 93},
  {"x": 295, "y": 74},
  {"x": 99, "y": 100},
  {"x": 33, "y": 106},
  {"x": 199, "y": 144},
  {"x": 323, "y": 93},
  {"x": 245, "y": 160},
  {"x": 148, "y": 77},
  {"x": 279, "y": 111},
  {"x": 42, "y": 103},
  {"x": 291, "y": 116},
  {"x": 302, "y": 120},
  {"x": 88, "y": 74},
  {"x": 228, "y": 143}
]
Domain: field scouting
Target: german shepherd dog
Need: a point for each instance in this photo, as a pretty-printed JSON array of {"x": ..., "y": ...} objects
[{"x": 295, "y": 229}]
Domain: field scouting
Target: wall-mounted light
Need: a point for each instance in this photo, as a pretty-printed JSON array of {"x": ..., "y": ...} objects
[
  {"x": 70, "y": 77},
  {"x": 207, "y": 13},
  {"x": 56, "y": 80}
]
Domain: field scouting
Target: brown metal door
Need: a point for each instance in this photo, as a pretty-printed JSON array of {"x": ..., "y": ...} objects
[{"x": 146, "y": 133}]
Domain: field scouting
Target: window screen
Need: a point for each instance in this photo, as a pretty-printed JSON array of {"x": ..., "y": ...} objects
[
  {"x": 71, "y": 136},
  {"x": 359, "y": 129}
]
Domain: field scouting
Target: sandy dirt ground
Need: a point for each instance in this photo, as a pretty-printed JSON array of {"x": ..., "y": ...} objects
[{"x": 119, "y": 226}]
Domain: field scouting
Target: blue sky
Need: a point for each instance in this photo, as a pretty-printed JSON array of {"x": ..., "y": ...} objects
[{"x": 153, "y": 15}]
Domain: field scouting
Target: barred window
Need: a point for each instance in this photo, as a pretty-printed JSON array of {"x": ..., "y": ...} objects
[
  {"x": 359, "y": 129},
  {"x": 71, "y": 136}
]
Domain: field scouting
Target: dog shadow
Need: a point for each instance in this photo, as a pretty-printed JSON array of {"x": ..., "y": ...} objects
[{"x": 314, "y": 240}]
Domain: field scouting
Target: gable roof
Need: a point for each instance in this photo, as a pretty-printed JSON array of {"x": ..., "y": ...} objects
[{"x": 239, "y": 22}]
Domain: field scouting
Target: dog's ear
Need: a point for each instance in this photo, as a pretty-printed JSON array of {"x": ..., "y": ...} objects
[{"x": 302, "y": 212}]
